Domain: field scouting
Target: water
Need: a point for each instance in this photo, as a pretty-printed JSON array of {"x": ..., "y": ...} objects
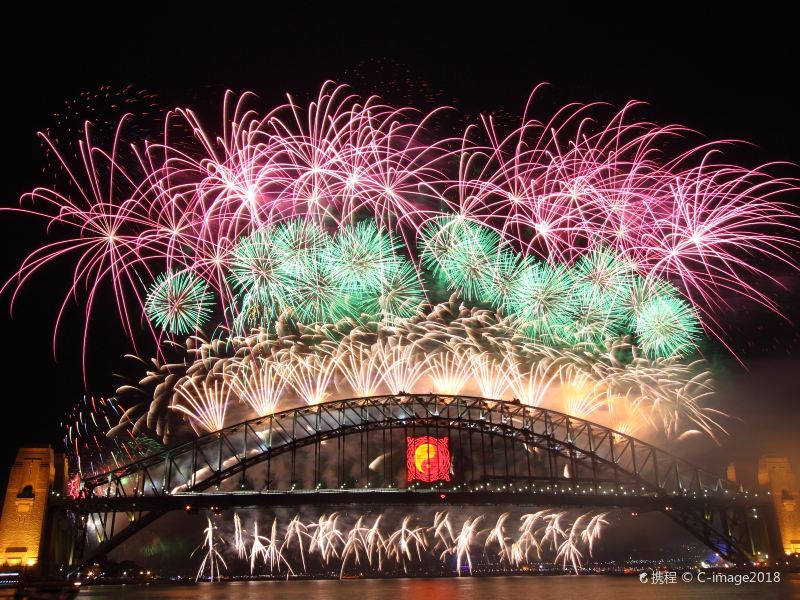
[{"x": 496, "y": 588}]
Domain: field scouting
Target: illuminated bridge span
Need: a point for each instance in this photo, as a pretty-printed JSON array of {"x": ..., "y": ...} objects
[{"x": 355, "y": 451}]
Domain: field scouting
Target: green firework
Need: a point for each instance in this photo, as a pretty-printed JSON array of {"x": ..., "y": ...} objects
[
  {"x": 361, "y": 256},
  {"x": 604, "y": 272},
  {"x": 667, "y": 327},
  {"x": 399, "y": 295},
  {"x": 297, "y": 246},
  {"x": 253, "y": 310},
  {"x": 258, "y": 278},
  {"x": 643, "y": 289},
  {"x": 496, "y": 285},
  {"x": 460, "y": 251},
  {"x": 317, "y": 297},
  {"x": 179, "y": 302},
  {"x": 540, "y": 297},
  {"x": 599, "y": 299},
  {"x": 594, "y": 316}
]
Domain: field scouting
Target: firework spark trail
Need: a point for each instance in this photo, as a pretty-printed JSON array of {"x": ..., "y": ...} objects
[
  {"x": 204, "y": 402},
  {"x": 259, "y": 384},
  {"x": 593, "y": 530},
  {"x": 257, "y": 547},
  {"x": 442, "y": 531},
  {"x": 449, "y": 369},
  {"x": 490, "y": 374},
  {"x": 238, "y": 537},
  {"x": 89, "y": 447},
  {"x": 355, "y": 545},
  {"x": 528, "y": 530},
  {"x": 309, "y": 375},
  {"x": 211, "y": 556},
  {"x": 497, "y": 535},
  {"x": 464, "y": 541},
  {"x": 568, "y": 550},
  {"x": 530, "y": 384},
  {"x": 400, "y": 366},
  {"x": 296, "y": 532},
  {"x": 272, "y": 555},
  {"x": 406, "y": 542},
  {"x": 359, "y": 365},
  {"x": 326, "y": 538}
]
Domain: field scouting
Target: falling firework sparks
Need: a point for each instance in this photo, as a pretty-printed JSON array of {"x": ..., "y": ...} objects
[
  {"x": 378, "y": 547},
  {"x": 204, "y": 402},
  {"x": 211, "y": 556}
]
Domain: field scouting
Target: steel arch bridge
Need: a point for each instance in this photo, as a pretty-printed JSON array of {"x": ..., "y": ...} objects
[{"x": 346, "y": 451}]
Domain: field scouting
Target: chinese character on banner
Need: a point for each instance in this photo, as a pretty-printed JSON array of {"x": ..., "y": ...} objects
[{"x": 427, "y": 459}]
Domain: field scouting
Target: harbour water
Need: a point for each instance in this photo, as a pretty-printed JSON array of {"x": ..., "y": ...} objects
[{"x": 489, "y": 588}]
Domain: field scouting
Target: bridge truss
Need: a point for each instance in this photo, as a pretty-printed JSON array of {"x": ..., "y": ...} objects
[{"x": 353, "y": 451}]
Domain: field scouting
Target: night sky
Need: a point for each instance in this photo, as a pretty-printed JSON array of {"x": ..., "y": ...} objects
[{"x": 725, "y": 76}]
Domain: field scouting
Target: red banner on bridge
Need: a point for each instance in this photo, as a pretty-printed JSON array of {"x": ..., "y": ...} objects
[{"x": 427, "y": 459}]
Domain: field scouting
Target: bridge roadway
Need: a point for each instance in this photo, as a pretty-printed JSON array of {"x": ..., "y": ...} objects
[{"x": 588, "y": 497}]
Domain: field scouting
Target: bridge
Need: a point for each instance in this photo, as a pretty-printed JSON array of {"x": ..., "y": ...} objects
[{"x": 355, "y": 451}]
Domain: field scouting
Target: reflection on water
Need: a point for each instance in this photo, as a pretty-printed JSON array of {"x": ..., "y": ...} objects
[{"x": 500, "y": 588}]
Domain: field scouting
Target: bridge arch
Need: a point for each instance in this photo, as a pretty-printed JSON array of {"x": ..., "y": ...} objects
[{"x": 538, "y": 455}]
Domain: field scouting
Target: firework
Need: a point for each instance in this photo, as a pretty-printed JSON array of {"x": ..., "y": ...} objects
[
  {"x": 307, "y": 251},
  {"x": 179, "y": 302},
  {"x": 399, "y": 296},
  {"x": 666, "y": 326},
  {"x": 260, "y": 384},
  {"x": 298, "y": 246},
  {"x": 450, "y": 350},
  {"x": 255, "y": 274},
  {"x": 211, "y": 556},
  {"x": 359, "y": 365},
  {"x": 309, "y": 375},
  {"x": 450, "y": 370},
  {"x": 541, "y": 298},
  {"x": 360, "y": 257},
  {"x": 530, "y": 384},
  {"x": 204, "y": 402},
  {"x": 461, "y": 252},
  {"x": 95, "y": 440},
  {"x": 497, "y": 285}
]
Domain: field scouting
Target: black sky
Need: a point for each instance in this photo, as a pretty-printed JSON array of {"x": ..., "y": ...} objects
[{"x": 727, "y": 75}]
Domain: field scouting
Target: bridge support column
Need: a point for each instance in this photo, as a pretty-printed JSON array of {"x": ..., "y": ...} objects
[
  {"x": 26, "y": 534},
  {"x": 775, "y": 475}
]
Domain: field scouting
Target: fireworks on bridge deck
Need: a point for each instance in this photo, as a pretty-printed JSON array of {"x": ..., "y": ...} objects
[{"x": 451, "y": 350}]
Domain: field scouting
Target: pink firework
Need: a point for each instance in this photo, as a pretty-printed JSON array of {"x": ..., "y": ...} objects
[{"x": 554, "y": 189}]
